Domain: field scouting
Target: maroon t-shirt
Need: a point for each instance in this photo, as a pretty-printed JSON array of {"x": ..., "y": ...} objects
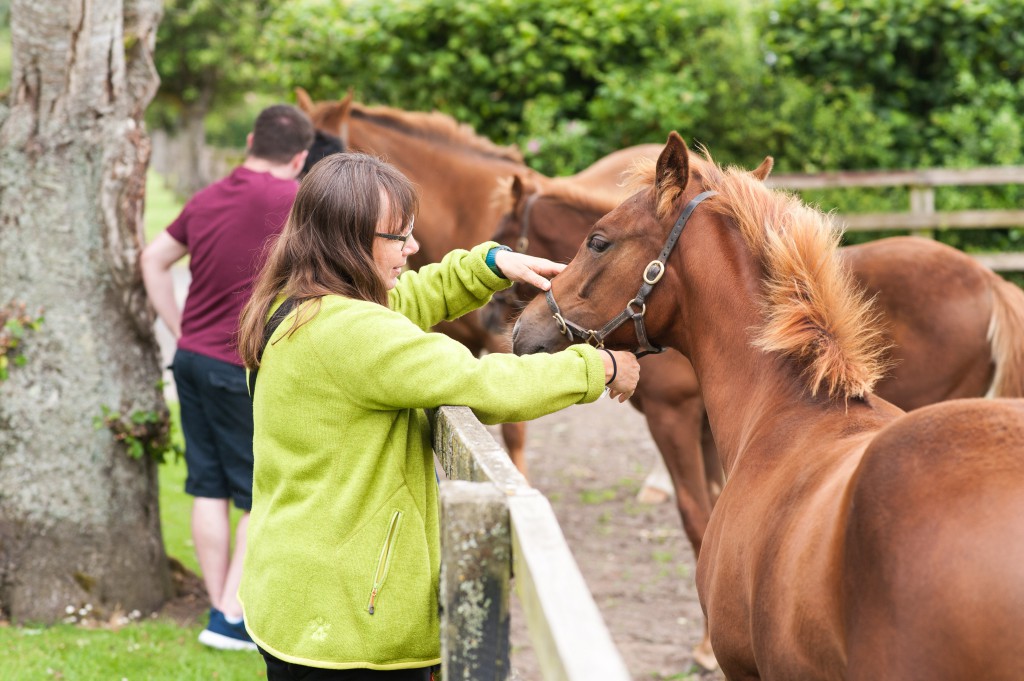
[{"x": 225, "y": 227}]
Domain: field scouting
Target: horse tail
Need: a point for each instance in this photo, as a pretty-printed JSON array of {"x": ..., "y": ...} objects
[{"x": 1006, "y": 338}]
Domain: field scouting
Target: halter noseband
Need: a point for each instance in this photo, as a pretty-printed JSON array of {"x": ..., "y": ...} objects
[{"x": 637, "y": 307}]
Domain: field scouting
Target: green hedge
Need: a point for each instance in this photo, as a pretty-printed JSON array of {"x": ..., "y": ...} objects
[
  {"x": 945, "y": 76},
  {"x": 818, "y": 84},
  {"x": 567, "y": 80}
]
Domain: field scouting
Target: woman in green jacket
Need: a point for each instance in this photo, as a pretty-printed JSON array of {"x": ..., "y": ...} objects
[{"x": 343, "y": 560}]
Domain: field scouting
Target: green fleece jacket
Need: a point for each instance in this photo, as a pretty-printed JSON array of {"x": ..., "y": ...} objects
[{"x": 343, "y": 559}]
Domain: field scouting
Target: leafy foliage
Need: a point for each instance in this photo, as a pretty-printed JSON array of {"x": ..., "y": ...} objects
[
  {"x": 942, "y": 78},
  {"x": 569, "y": 80},
  {"x": 819, "y": 84},
  {"x": 15, "y": 324},
  {"x": 206, "y": 54},
  {"x": 144, "y": 433}
]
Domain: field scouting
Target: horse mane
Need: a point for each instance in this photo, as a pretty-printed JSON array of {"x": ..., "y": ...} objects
[
  {"x": 813, "y": 311},
  {"x": 436, "y": 126}
]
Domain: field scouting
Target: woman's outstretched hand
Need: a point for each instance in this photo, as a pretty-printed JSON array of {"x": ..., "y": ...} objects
[
  {"x": 621, "y": 373},
  {"x": 526, "y": 269}
]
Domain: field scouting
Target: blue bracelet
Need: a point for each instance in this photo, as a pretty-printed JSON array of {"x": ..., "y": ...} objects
[{"x": 490, "y": 260}]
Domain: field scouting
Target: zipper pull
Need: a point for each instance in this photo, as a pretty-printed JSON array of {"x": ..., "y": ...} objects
[{"x": 373, "y": 597}]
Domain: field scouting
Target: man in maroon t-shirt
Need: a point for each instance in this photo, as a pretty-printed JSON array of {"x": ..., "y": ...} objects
[{"x": 224, "y": 228}]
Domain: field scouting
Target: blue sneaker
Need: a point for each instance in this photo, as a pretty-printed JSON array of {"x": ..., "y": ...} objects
[{"x": 223, "y": 635}]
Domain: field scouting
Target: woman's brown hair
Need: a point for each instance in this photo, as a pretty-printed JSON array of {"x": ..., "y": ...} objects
[{"x": 326, "y": 246}]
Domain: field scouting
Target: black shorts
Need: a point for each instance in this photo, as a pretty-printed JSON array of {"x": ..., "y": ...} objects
[
  {"x": 216, "y": 418},
  {"x": 279, "y": 670}
]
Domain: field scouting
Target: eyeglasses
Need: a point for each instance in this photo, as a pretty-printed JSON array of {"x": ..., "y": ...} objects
[{"x": 404, "y": 238}]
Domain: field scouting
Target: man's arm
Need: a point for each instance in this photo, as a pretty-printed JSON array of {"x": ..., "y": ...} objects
[{"x": 156, "y": 261}]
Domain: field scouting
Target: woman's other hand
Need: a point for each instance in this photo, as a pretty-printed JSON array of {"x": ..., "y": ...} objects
[
  {"x": 621, "y": 373},
  {"x": 526, "y": 269}
]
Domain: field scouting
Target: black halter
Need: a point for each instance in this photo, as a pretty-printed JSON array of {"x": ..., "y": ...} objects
[
  {"x": 508, "y": 297},
  {"x": 637, "y": 307},
  {"x": 524, "y": 240}
]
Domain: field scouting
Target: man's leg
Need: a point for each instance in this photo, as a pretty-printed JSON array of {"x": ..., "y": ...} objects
[
  {"x": 231, "y": 414},
  {"x": 211, "y": 534},
  {"x": 207, "y": 481},
  {"x": 228, "y": 602}
]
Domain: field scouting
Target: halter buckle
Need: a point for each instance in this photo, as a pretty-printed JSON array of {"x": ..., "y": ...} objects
[
  {"x": 598, "y": 342},
  {"x": 652, "y": 280}
]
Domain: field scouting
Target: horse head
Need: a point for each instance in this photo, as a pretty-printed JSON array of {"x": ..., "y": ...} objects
[
  {"x": 330, "y": 126},
  {"x": 618, "y": 291},
  {"x": 329, "y": 117}
]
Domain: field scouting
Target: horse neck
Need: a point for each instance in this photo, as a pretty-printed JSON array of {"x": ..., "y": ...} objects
[{"x": 746, "y": 391}]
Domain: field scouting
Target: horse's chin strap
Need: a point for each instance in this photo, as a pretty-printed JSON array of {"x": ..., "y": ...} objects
[{"x": 637, "y": 307}]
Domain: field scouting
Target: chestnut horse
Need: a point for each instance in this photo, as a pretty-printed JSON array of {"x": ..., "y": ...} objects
[
  {"x": 852, "y": 540},
  {"x": 953, "y": 326},
  {"x": 456, "y": 172}
]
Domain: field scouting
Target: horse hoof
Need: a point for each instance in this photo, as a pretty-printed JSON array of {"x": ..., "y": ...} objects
[
  {"x": 652, "y": 495},
  {"x": 705, "y": 658}
]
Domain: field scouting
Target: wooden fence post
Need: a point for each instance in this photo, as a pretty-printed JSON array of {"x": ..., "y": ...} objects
[
  {"x": 476, "y": 566},
  {"x": 922, "y": 202}
]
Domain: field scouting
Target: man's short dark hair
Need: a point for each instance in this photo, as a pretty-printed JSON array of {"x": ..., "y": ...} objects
[{"x": 280, "y": 132}]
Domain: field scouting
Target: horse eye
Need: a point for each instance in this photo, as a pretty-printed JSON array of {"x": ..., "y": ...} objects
[{"x": 598, "y": 244}]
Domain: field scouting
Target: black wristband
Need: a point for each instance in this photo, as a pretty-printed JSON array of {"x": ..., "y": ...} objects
[{"x": 615, "y": 367}]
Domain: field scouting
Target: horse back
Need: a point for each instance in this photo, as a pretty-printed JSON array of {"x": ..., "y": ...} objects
[
  {"x": 934, "y": 550},
  {"x": 937, "y": 305}
]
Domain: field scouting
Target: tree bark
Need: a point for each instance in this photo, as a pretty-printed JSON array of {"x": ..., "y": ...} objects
[{"x": 79, "y": 518}]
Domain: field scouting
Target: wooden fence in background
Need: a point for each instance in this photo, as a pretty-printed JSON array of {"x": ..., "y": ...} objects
[
  {"x": 922, "y": 219},
  {"x": 493, "y": 524}
]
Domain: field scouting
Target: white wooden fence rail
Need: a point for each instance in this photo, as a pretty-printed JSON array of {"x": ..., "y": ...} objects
[
  {"x": 922, "y": 218},
  {"x": 495, "y": 525}
]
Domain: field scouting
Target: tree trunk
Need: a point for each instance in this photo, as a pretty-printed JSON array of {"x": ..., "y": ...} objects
[
  {"x": 79, "y": 518},
  {"x": 196, "y": 168}
]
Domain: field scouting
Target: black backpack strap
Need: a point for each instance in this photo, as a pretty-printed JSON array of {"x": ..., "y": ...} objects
[{"x": 275, "y": 320}]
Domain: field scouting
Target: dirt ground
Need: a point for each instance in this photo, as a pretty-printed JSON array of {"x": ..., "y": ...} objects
[{"x": 590, "y": 461}]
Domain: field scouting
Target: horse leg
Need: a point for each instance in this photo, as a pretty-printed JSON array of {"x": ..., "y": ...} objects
[
  {"x": 657, "y": 486},
  {"x": 676, "y": 429},
  {"x": 514, "y": 435}
]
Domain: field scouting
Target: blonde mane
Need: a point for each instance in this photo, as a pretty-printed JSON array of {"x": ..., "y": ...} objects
[
  {"x": 437, "y": 126},
  {"x": 813, "y": 310}
]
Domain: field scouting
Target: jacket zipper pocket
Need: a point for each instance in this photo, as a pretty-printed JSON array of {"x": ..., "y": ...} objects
[{"x": 384, "y": 561}]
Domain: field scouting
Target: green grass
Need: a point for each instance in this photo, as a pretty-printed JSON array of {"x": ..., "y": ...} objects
[
  {"x": 162, "y": 206},
  {"x": 5, "y": 58},
  {"x": 155, "y": 650}
]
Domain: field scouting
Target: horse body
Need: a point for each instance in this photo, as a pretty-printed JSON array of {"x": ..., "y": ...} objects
[
  {"x": 852, "y": 540},
  {"x": 605, "y": 174}
]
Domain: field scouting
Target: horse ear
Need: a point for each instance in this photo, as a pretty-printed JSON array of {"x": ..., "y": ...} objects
[
  {"x": 304, "y": 101},
  {"x": 335, "y": 120},
  {"x": 517, "y": 190},
  {"x": 762, "y": 171},
  {"x": 673, "y": 170}
]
